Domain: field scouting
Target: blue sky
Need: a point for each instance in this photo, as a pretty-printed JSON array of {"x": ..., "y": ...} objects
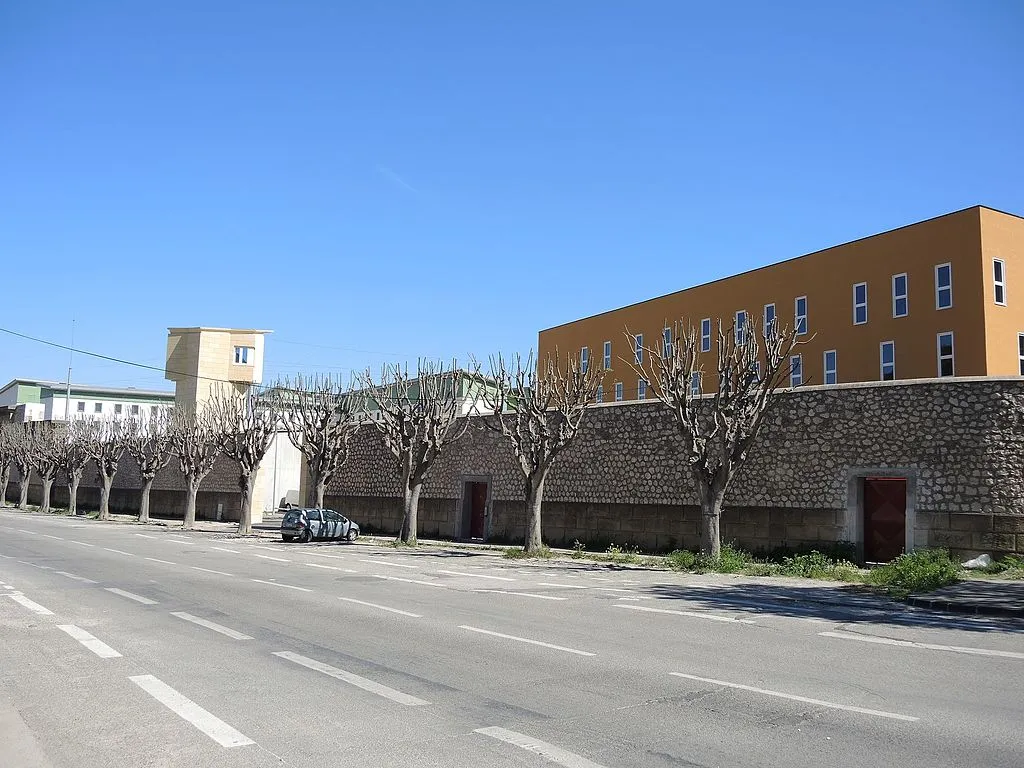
[{"x": 377, "y": 181}]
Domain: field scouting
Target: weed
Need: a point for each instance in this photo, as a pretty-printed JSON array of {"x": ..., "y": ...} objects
[
  {"x": 578, "y": 549},
  {"x": 518, "y": 553},
  {"x": 1008, "y": 564},
  {"x": 919, "y": 571}
]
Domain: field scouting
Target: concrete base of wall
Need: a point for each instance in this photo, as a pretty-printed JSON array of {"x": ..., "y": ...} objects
[{"x": 162, "y": 504}]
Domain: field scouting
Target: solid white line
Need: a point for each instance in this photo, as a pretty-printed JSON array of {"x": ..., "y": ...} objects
[
  {"x": 30, "y": 604},
  {"x": 382, "y": 607},
  {"x": 119, "y": 551},
  {"x": 563, "y": 586},
  {"x": 277, "y": 584},
  {"x": 51, "y": 536},
  {"x": 356, "y": 680},
  {"x": 526, "y": 640},
  {"x": 477, "y": 575},
  {"x": 278, "y": 559},
  {"x": 83, "y": 543},
  {"x": 95, "y": 645},
  {"x": 409, "y": 581},
  {"x": 145, "y": 535},
  {"x": 191, "y": 712},
  {"x": 926, "y": 646},
  {"x": 804, "y": 699},
  {"x": 225, "y": 549},
  {"x": 691, "y": 614},
  {"x": 131, "y": 596},
  {"x": 158, "y": 560},
  {"x": 330, "y": 567},
  {"x": 211, "y": 625},
  {"x": 549, "y": 752},
  {"x": 520, "y": 594},
  {"x": 77, "y": 578},
  {"x": 385, "y": 562},
  {"x": 210, "y": 570}
]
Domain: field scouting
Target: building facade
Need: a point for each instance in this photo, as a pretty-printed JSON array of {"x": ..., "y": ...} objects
[
  {"x": 32, "y": 400},
  {"x": 932, "y": 299},
  {"x": 202, "y": 360}
]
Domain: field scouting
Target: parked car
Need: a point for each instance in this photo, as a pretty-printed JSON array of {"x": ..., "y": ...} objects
[{"x": 306, "y": 524}]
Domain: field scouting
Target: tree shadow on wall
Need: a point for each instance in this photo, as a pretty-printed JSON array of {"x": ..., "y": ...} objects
[{"x": 843, "y": 604}]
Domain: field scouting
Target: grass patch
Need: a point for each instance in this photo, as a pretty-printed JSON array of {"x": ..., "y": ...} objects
[
  {"x": 813, "y": 565},
  {"x": 919, "y": 571},
  {"x": 1009, "y": 567},
  {"x": 518, "y": 553}
]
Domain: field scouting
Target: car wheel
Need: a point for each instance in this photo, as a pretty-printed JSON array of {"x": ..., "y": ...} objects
[
  {"x": 352, "y": 535},
  {"x": 306, "y": 536},
  {"x": 287, "y": 538}
]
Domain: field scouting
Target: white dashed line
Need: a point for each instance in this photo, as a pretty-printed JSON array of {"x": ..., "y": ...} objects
[
  {"x": 145, "y": 536},
  {"x": 477, "y": 575},
  {"x": 562, "y": 586},
  {"x": 351, "y": 679},
  {"x": 191, "y": 712},
  {"x": 225, "y": 549},
  {"x": 691, "y": 614},
  {"x": 95, "y": 645},
  {"x": 51, "y": 536},
  {"x": 521, "y": 594},
  {"x": 804, "y": 699},
  {"x": 925, "y": 646},
  {"x": 180, "y": 540},
  {"x": 278, "y": 559},
  {"x": 409, "y": 581},
  {"x": 330, "y": 567},
  {"x": 385, "y": 562},
  {"x": 210, "y": 570},
  {"x": 77, "y": 578},
  {"x": 211, "y": 625},
  {"x": 381, "y": 607},
  {"x": 119, "y": 551},
  {"x": 158, "y": 560},
  {"x": 131, "y": 596},
  {"x": 30, "y": 604},
  {"x": 549, "y": 752},
  {"x": 527, "y": 640},
  {"x": 35, "y": 565},
  {"x": 278, "y": 584},
  {"x": 83, "y": 543}
]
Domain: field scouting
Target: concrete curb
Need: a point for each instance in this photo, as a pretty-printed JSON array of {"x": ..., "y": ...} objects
[{"x": 959, "y": 606}]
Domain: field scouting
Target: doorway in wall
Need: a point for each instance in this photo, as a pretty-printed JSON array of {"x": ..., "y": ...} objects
[
  {"x": 885, "y": 518},
  {"x": 474, "y": 508}
]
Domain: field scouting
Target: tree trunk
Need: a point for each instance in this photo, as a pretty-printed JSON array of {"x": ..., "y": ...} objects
[
  {"x": 5, "y": 478},
  {"x": 190, "y": 505},
  {"x": 23, "y": 490},
  {"x": 105, "y": 483},
  {"x": 147, "y": 486},
  {"x": 410, "y": 523},
  {"x": 246, "y": 483},
  {"x": 47, "y": 486},
  {"x": 711, "y": 497},
  {"x": 534, "y": 500},
  {"x": 320, "y": 490},
  {"x": 73, "y": 494}
]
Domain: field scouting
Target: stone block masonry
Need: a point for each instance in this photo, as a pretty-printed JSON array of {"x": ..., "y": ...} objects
[{"x": 960, "y": 441}]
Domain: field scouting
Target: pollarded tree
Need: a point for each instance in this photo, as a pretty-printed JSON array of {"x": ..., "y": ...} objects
[
  {"x": 719, "y": 430},
  {"x": 24, "y": 459},
  {"x": 74, "y": 456},
  {"x": 8, "y": 449},
  {"x": 196, "y": 443},
  {"x": 246, "y": 425},
  {"x": 319, "y": 413},
  {"x": 106, "y": 445},
  {"x": 541, "y": 416},
  {"x": 149, "y": 444},
  {"x": 417, "y": 417},
  {"x": 48, "y": 438}
]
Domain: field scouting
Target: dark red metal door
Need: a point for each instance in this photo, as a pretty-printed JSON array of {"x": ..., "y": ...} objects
[
  {"x": 478, "y": 501},
  {"x": 885, "y": 518}
]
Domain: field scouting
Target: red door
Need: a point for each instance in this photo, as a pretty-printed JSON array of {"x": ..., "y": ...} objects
[
  {"x": 478, "y": 507},
  {"x": 885, "y": 518}
]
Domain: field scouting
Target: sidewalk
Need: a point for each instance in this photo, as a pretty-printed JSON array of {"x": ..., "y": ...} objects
[{"x": 981, "y": 597}]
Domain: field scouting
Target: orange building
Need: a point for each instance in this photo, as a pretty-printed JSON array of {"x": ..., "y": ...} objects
[{"x": 927, "y": 300}]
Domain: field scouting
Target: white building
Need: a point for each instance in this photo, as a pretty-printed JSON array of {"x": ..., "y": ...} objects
[{"x": 34, "y": 400}]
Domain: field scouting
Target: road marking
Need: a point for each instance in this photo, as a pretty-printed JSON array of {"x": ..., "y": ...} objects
[
  {"x": 79, "y": 525},
  {"x": 119, "y": 551},
  {"x": 131, "y": 596},
  {"x": 549, "y": 752},
  {"x": 278, "y": 584},
  {"x": 211, "y": 625},
  {"x": 22, "y": 530},
  {"x": 191, "y": 712},
  {"x": 180, "y": 539},
  {"x": 382, "y": 607},
  {"x": 30, "y": 604},
  {"x": 614, "y": 589},
  {"x": 77, "y": 578},
  {"x": 563, "y": 586},
  {"x": 527, "y": 640},
  {"x": 356, "y": 680},
  {"x": 477, "y": 575},
  {"x": 330, "y": 567},
  {"x": 34, "y": 565},
  {"x": 691, "y": 614},
  {"x": 926, "y": 646},
  {"x": 409, "y": 581},
  {"x": 385, "y": 562},
  {"x": 83, "y": 543},
  {"x": 145, "y": 535},
  {"x": 278, "y": 559},
  {"x": 521, "y": 594},
  {"x": 51, "y": 536},
  {"x": 95, "y": 645},
  {"x": 158, "y": 560},
  {"x": 225, "y": 549},
  {"x": 321, "y": 554},
  {"x": 210, "y": 570},
  {"x": 804, "y": 699}
]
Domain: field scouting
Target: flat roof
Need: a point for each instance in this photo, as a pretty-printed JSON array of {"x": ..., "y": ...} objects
[
  {"x": 198, "y": 328},
  {"x": 783, "y": 261},
  {"x": 61, "y": 386}
]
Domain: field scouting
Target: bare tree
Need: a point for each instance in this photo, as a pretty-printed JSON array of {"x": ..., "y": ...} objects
[
  {"x": 319, "y": 413},
  {"x": 48, "y": 441},
  {"x": 8, "y": 450},
  {"x": 195, "y": 441},
  {"x": 149, "y": 444},
  {"x": 246, "y": 427},
  {"x": 540, "y": 415},
  {"x": 106, "y": 446},
  {"x": 24, "y": 452},
  {"x": 74, "y": 456},
  {"x": 417, "y": 416},
  {"x": 718, "y": 430}
]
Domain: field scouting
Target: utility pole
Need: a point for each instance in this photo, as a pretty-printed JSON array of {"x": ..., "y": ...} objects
[{"x": 71, "y": 355}]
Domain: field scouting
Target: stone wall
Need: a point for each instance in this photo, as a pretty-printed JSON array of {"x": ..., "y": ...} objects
[{"x": 959, "y": 442}]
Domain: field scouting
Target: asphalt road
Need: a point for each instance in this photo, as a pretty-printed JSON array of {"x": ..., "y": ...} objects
[{"x": 136, "y": 646}]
